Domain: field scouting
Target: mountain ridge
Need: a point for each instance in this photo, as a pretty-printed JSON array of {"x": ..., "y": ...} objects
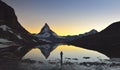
[
  {"x": 47, "y": 33},
  {"x": 106, "y": 41}
]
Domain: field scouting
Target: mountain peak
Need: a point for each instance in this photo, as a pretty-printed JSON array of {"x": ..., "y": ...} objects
[
  {"x": 46, "y": 32},
  {"x": 94, "y": 31},
  {"x": 46, "y": 24},
  {"x": 45, "y": 28}
]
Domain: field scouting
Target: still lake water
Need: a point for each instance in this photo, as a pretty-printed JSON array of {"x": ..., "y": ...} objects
[{"x": 68, "y": 52}]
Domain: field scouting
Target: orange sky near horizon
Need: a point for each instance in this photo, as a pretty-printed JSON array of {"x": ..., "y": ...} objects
[{"x": 63, "y": 29}]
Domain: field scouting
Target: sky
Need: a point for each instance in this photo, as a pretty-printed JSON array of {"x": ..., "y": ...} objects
[{"x": 66, "y": 17}]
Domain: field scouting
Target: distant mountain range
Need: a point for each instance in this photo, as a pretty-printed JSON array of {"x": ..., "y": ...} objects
[
  {"x": 48, "y": 35},
  {"x": 71, "y": 38},
  {"x": 107, "y": 41}
]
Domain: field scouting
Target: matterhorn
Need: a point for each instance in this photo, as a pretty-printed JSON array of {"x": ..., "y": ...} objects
[{"x": 48, "y": 35}]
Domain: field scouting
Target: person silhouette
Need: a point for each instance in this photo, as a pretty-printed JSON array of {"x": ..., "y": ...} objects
[{"x": 61, "y": 55}]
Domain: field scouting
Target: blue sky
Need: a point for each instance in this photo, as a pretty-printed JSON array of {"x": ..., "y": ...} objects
[{"x": 66, "y": 16}]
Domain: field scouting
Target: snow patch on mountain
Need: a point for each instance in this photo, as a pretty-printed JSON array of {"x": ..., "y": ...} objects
[
  {"x": 46, "y": 29},
  {"x": 45, "y": 35},
  {"x": 6, "y": 43},
  {"x": 19, "y": 37},
  {"x": 54, "y": 34},
  {"x": 4, "y": 40},
  {"x": 11, "y": 31},
  {"x": 3, "y": 46},
  {"x": 4, "y": 27},
  {"x": 45, "y": 40},
  {"x": 34, "y": 40},
  {"x": 19, "y": 48}
]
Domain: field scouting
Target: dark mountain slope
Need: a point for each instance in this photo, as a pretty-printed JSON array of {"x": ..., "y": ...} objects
[
  {"x": 107, "y": 41},
  {"x": 11, "y": 29}
]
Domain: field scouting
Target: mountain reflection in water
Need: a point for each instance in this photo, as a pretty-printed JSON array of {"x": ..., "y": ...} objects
[
  {"x": 68, "y": 52},
  {"x": 11, "y": 56}
]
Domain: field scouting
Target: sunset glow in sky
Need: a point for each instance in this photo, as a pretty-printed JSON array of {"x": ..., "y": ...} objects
[{"x": 66, "y": 17}]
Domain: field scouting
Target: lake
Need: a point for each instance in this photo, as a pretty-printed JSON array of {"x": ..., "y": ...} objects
[
  {"x": 69, "y": 51},
  {"x": 74, "y": 58}
]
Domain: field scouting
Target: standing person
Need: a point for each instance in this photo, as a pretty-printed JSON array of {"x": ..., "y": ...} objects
[{"x": 61, "y": 55}]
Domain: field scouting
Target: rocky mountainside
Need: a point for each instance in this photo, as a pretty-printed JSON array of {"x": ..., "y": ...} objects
[
  {"x": 11, "y": 30},
  {"x": 46, "y": 34},
  {"x": 107, "y": 41},
  {"x": 15, "y": 41}
]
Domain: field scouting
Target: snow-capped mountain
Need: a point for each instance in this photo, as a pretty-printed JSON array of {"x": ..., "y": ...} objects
[
  {"x": 46, "y": 34},
  {"x": 70, "y": 38}
]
